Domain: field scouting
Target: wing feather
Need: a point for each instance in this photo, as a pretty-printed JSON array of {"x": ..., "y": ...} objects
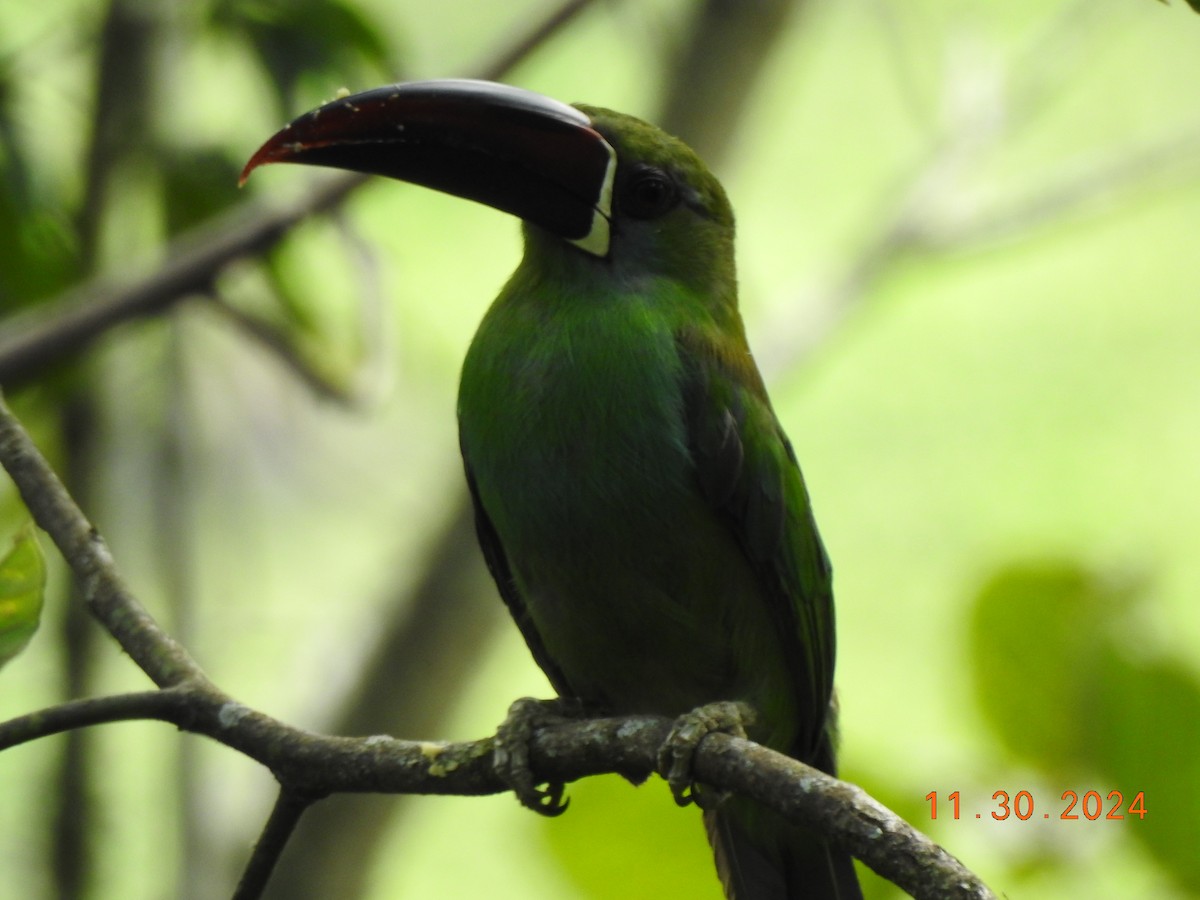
[
  {"x": 748, "y": 473},
  {"x": 498, "y": 565}
]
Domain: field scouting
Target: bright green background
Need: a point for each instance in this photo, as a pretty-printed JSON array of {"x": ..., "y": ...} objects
[{"x": 1000, "y": 429}]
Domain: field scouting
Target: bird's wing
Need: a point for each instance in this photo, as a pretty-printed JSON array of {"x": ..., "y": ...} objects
[
  {"x": 748, "y": 472},
  {"x": 497, "y": 563}
]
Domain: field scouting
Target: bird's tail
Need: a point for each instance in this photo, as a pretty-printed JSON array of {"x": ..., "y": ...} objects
[{"x": 761, "y": 857}]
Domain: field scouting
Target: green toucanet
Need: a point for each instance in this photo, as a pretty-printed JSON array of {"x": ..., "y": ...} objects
[{"x": 638, "y": 504}]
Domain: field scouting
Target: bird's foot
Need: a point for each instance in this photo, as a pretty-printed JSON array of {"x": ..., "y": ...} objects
[
  {"x": 510, "y": 756},
  {"x": 676, "y": 754}
]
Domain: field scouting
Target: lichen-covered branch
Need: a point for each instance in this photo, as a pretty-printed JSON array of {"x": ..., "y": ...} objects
[
  {"x": 310, "y": 765},
  {"x": 165, "y": 661}
]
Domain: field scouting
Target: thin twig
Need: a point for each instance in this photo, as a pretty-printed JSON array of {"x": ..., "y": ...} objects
[
  {"x": 155, "y": 652},
  {"x": 1169, "y": 163},
  {"x": 52, "y": 331},
  {"x": 930, "y": 212},
  {"x": 525, "y": 43},
  {"x": 162, "y": 705},
  {"x": 325, "y": 384},
  {"x": 281, "y": 824}
]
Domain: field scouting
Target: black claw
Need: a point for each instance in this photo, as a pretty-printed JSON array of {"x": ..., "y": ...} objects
[
  {"x": 676, "y": 754},
  {"x": 510, "y": 756},
  {"x": 551, "y": 802}
]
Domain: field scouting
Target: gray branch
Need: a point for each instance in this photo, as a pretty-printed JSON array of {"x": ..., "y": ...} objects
[
  {"x": 51, "y": 332},
  {"x": 312, "y": 766}
]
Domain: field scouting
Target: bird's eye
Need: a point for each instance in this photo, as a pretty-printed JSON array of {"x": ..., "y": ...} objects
[{"x": 649, "y": 193}]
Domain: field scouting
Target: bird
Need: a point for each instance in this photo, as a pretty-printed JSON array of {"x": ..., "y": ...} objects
[{"x": 638, "y": 504}]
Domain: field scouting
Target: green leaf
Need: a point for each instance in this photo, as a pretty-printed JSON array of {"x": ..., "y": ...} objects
[
  {"x": 1034, "y": 636},
  {"x": 1146, "y": 738},
  {"x": 22, "y": 586},
  {"x": 1072, "y": 689}
]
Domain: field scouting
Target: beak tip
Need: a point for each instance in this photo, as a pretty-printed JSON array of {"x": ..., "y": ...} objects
[
  {"x": 253, "y": 163},
  {"x": 272, "y": 151}
]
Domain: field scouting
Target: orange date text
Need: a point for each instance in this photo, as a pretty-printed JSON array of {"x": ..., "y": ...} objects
[{"x": 1091, "y": 806}]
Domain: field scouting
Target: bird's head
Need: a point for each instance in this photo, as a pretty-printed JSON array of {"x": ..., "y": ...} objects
[{"x": 585, "y": 180}]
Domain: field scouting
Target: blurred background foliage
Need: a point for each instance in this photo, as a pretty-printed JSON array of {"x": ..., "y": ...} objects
[{"x": 967, "y": 258}]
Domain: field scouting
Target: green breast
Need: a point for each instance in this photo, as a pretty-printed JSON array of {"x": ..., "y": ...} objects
[{"x": 571, "y": 420}]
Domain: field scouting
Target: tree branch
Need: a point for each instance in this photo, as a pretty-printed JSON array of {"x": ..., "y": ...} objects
[
  {"x": 309, "y": 765},
  {"x": 524, "y": 44},
  {"x": 155, "y": 652},
  {"x": 845, "y": 813},
  {"x": 281, "y": 825},
  {"x": 52, "y": 331},
  {"x": 166, "y": 705},
  {"x": 933, "y": 209}
]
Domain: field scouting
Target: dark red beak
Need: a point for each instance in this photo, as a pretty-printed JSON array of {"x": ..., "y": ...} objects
[{"x": 512, "y": 149}]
